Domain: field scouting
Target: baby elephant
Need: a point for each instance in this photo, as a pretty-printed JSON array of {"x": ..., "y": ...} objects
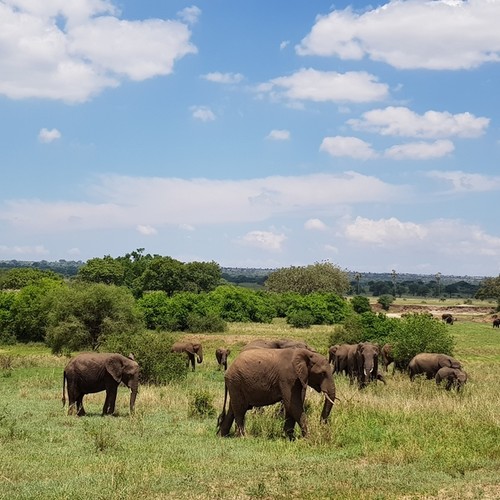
[
  {"x": 221, "y": 354},
  {"x": 454, "y": 377}
]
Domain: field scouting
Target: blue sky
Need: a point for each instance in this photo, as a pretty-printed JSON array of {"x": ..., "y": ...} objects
[{"x": 254, "y": 134}]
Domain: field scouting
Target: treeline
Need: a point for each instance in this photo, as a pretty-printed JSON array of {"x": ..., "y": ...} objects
[{"x": 417, "y": 288}]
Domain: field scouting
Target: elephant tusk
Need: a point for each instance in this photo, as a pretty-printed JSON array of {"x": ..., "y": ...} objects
[{"x": 328, "y": 397}]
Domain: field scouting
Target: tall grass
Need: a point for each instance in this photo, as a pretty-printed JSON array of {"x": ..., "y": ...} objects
[{"x": 403, "y": 440}]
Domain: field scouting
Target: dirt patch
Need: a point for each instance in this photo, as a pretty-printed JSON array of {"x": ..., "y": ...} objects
[{"x": 459, "y": 312}]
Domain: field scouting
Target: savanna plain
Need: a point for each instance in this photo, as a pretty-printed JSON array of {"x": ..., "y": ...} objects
[{"x": 402, "y": 440}]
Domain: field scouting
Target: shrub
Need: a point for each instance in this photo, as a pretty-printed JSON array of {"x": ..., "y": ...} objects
[
  {"x": 418, "y": 333},
  {"x": 300, "y": 318},
  {"x": 201, "y": 405},
  {"x": 210, "y": 322},
  {"x": 385, "y": 301},
  {"x": 360, "y": 304},
  {"x": 152, "y": 350}
]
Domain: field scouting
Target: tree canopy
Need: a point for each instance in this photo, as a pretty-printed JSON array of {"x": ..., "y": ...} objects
[
  {"x": 318, "y": 277},
  {"x": 490, "y": 289}
]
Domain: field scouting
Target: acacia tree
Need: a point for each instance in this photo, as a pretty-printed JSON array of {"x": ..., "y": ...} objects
[
  {"x": 318, "y": 277},
  {"x": 490, "y": 289}
]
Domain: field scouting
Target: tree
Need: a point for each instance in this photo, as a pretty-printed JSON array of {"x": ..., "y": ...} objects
[
  {"x": 318, "y": 277},
  {"x": 17, "y": 278},
  {"x": 83, "y": 315},
  {"x": 490, "y": 289},
  {"x": 385, "y": 301},
  {"x": 360, "y": 304},
  {"x": 106, "y": 270}
]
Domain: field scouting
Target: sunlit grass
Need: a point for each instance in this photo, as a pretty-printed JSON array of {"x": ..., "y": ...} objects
[{"x": 402, "y": 440}]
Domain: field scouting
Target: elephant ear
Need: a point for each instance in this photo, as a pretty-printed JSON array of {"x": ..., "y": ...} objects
[
  {"x": 196, "y": 348},
  {"x": 301, "y": 363},
  {"x": 191, "y": 349},
  {"x": 115, "y": 368}
]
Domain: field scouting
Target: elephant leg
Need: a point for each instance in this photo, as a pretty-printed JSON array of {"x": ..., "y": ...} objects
[
  {"x": 191, "y": 358},
  {"x": 381, "y": 378},
  {"x": 227, "y": 422},
  {"x": 109, "y": 403},
  {"x": 289, "y": 427},
  {"x": 80, "y": 411}
]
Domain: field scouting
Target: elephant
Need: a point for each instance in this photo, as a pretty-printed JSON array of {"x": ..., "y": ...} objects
[
  {"x": 331, "y": 354},
  {"x": 453, "y": 376},
  {"x": 496, "y": 323},
  {"x": 367, "y": 355},
  {"x": 191, "y": 349},
  {"x": 447, "y": 318},
  {"x": 345, "y": 361},
  {"x": 95, "y": 372},
  {"x": 221, "y": 355},
  {"x": 276, "y": 344},
  {"x": 430, "y": 363},
  {"x": 262, "y": 377},
  {"x": 387, "y": 357}
]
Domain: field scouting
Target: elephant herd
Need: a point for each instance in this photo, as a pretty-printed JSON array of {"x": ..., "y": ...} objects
[{"x": 265, "y": 372}]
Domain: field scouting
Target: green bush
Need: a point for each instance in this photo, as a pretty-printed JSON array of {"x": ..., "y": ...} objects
[
  {"x": 418, "y": 333},
  {"x": 209, "y": 323},
  {"x": 360, "y": 304},
  {"x": 201, "y": 405},
  {"x": 300, "y": 318},
  {"x": 385, "y": 301},
  {"x": 152, "y": 350},
  {"x": 324, "y": 308}
]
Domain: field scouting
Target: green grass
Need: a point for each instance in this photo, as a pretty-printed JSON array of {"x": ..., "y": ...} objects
[{"x": 402, "y": 440}]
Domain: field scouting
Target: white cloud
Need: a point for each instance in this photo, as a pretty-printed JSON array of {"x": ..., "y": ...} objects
[
  {"x": 401, "y": 121},
  {"x": 47, "y": 136},
  {"x": 264, "y": 240},
  {"x": 190, "y": 15},
  {"x": 420, "y": 150},
  {"x": 348, "y": 146},
  {"x": 279, "y": 135},
  {"x": 284, "y": 44},
  {"x": 72, "y": 51},
  {"x": 146, "y": 230},
  {"x": 467, "y": 182},
  {"x": 203, "y": 113},
  {"x": 322, "y": 86},
  {"x": 23, "y": 250},
  {"x": 74, "y": 251},
  {"x": 456, "y": 34},
  {"x": 445, "y": 236},
  {"x": 126, "y": 202},
  {"x": 315, "y": 225},
  {"x": 226, "y": 78}
]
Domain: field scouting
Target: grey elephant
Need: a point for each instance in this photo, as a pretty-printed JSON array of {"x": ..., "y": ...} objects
[
  {"x": 262, "y": 377},
  {"x": 454, "y": 377},
  {"x": 345, "y": 361},
  {"x": 191, "y": 349},
  {"x": 276, "y": 344},
  {"x": 430, "y": 363},
  {"x": 95, "y": 372},
  {"x": 447, "y": 318},
  {"x": 387, "y": 357},
  {"x": 332, "y": 350},
  {"x": 367, "y": 355},
  {"x": 221, "y": 355},
  {"x": 496, "y": 323}
]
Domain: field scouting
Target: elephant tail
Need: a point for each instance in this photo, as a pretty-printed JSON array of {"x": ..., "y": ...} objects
[
  {"x": 222, "y": 416},
  {"x": 64, "y": 390}
]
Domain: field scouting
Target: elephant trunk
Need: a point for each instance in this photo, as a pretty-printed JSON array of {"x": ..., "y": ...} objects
[
  {"x": 134, "y": 387},
  {"x": 200, "y": 355},
  {"x": 329, "y": 394}
]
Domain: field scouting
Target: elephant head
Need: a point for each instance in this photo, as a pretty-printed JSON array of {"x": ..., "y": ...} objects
[
  {"x": 367, "y": 355},
  {"x": 313, "y": 370},
  {"x": 125, "y": 370},
  {"x": 198, "y": 350}
]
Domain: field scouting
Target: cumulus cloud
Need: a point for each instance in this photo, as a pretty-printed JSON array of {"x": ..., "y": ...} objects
[
  {"x": 203, "y": 113},
  {"x": 126, "y": 202},
  {"x": 146, "y": 230},
  {"x": 420, "y": 150},
  {"x": 467, "y": 182},
  {"x": 401, "y": 121},
  {"x": 284, "y": 44},
  {"x": 279, "y": 135},
  {"x": 71, "y": 51},
  {"x": 265, "y": 240},
  {"x": 190, "y": 14},
  {"x": 315, "y": 225},
  {"x": 23, "y": 250},
  {"x": 322, "y": 86},
  {"x": 46, "y": 135},
  {"x": 348, "y": 146},
  {"x": 226, "y": 78},
  {"x": 445, "y": 236},
  {"x": 457, "y": 34}
]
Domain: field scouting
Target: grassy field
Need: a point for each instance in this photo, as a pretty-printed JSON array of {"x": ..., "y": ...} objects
[{"x": 401, "y": 440}]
